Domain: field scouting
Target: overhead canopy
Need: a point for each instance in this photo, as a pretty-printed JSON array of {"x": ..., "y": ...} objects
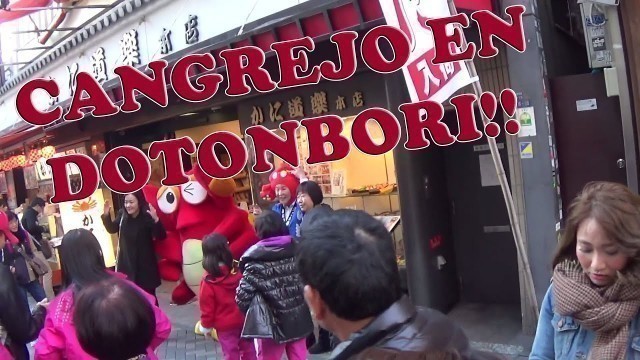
[
  {"x": 14, "y": 9},
  {"x": 474, "y": 4},
  {"x": 20, "y": 133}
]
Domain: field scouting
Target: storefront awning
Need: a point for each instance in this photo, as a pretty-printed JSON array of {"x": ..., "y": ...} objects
[
  {"x": 311, "y": 15},
  {"x": 474, "y": 4},
  {"x": 19, "y": 134},
  {"x": 315, "y": 19}
]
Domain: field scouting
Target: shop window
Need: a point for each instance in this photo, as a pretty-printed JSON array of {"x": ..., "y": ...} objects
[{"x": 359, "y": 181}]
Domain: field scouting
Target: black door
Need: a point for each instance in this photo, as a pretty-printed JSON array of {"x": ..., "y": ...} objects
[
  {"x": 588, "y": 133},
  {"x": 485, "y": 251}
]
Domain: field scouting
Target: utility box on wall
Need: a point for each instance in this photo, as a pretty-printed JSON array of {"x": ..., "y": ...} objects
[{"x": 596, "y": 31}]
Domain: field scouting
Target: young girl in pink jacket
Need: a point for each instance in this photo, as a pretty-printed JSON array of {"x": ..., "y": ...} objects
[{"x": 83, "y": 265}]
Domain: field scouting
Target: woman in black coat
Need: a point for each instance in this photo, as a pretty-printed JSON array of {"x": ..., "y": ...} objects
[
  {"x": 138, "y": 225},
  {"x": 17, "y": 325},
  {"x": 16, "y": 321},
  {"x": 27, "y": 279},
  {"x": 271, "y": 283}
]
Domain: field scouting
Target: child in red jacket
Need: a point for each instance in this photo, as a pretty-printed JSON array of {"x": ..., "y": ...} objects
[{"x": 218, "y": 306}]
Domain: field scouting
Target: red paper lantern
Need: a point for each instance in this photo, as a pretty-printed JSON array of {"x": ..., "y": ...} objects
[
  {"x": 48, "y": 152},
  {"x": 11, "y": 163},
  {"x": 21, "y": 160},
  {"x": 34, "y": 155}
]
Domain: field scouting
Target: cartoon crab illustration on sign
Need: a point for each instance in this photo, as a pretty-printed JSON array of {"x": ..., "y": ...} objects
[
  {"x": 190, "y": 212},
  {"x": 84, "y": 205}
]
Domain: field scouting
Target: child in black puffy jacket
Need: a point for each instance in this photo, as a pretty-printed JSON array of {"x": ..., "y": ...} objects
[{"x": 271, "y": 293}]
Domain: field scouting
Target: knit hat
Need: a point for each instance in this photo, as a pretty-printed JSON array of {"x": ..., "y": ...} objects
[
  {"x": 283, "y": 175},
  {"x": 4, "y": 228}
]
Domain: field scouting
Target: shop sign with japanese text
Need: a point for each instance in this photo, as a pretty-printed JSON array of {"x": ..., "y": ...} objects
[
  {"x": 347, "y": 98},
  {"x": 425, "y": 80}
]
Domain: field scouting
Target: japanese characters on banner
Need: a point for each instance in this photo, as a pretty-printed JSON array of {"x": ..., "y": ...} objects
[
  {"x": 43, "y": 171},
  {"x": 86, "y": 214},
  {"x": 30, "y": 178},
  {"x": 425, "y": 80},
  {"x": 129, "y": 50}
]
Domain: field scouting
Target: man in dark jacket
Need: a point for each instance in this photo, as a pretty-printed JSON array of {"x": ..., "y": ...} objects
[
  {"x": 30, "y": 220},
  {"x": 352, "y": 285}
]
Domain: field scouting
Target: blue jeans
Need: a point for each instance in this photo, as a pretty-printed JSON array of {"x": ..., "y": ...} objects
[{"x": 35, "y": 289}]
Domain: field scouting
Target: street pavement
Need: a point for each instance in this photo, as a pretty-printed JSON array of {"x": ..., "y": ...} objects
[
  {"x": 498, "y": 334},
  {"x": 494, "y": 331},
  {"x": 184, "y": 344}
]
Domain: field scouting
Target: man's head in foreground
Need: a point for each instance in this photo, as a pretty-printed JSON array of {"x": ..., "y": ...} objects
[
  {"x": 348, "y": 264},
  {"x": 113, "y": 320}
]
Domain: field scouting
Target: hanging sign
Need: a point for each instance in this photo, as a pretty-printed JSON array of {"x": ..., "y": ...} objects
[{"x": 425, "y": 80}]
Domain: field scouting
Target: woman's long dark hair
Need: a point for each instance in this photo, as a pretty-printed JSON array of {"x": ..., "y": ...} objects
[
  {"x": 216, "y": 253},
  {"x": 21, "y": 234},
  {"x": 82, "y": 259},
  {"x": 143, "y": 205}
]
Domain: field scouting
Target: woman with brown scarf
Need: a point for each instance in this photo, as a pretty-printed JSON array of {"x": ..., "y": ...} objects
[{"x": 591, "y": 308}]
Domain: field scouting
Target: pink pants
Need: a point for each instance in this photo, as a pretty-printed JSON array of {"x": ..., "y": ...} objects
[
  {"x": 271, "y": 350},
  {"x": 235, "y": 348}
]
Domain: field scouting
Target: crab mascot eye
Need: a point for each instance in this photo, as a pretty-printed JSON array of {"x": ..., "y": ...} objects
[
  {"x": 193, "y": 193},
  {"x": 168, "y": 199}
]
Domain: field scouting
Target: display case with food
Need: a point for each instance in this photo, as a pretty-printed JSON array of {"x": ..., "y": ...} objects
[{"x": 385, "y": 188}]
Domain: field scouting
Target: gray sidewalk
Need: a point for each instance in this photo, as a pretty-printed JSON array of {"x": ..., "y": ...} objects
[
  {"x": 184, "y": 344},
  {"x": 491, "y": 328}
]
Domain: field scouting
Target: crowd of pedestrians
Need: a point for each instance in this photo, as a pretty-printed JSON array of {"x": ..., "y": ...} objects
[{"x": 335, "y": 270}]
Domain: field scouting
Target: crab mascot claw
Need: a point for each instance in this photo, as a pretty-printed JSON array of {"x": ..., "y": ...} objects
[{"x": 192, "y": 264}]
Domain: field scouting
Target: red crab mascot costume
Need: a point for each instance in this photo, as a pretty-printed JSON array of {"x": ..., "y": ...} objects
[{"x": 193, "y": 210}]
